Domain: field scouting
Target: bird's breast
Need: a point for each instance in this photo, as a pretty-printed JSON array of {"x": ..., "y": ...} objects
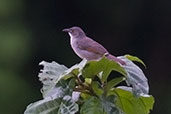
[{"x": 75, "y": 47}]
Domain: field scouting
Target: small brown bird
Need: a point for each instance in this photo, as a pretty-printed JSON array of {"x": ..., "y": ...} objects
[{"x": 87, "y": 48}]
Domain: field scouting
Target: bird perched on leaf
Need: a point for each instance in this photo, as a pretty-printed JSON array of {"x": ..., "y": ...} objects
[{"x": 86, "y": 47}]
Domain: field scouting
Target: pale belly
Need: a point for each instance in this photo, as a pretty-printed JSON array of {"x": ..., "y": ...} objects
[{"x": 83, "y": 53}]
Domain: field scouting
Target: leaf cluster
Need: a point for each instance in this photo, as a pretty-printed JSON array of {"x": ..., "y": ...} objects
[{"x": 85, "y": 88}]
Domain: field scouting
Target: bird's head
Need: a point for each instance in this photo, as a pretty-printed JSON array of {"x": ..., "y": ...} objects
[{"x": 75, "y": 32}]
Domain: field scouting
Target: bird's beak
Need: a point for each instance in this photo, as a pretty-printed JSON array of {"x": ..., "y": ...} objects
[{"x": 66, "y": 30}]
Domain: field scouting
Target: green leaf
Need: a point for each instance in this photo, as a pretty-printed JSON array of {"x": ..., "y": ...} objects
[
  {"x": 92, "y": 106},
  {"x": 50, "y": 105},
  {"x": 85, "y": 95},
  {"x": 96, "y": 88},
  {"x": 88, "y": 80},
  {"x": 114, "y": 82},
  {"x": 104, "y": 105},
  {"x": 135, "y": 77},
  {"x": 50, "y": 75},
  {"x": 103, "y": 66},
  {"x": 134, "y": 58},
  {"x": 58, "y": 101},
  {"x": 109, "y": 105},
  {"x": 130, "y": 104}
]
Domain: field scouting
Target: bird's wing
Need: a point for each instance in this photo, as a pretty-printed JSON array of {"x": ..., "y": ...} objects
[{"x": 92, "y": 46}]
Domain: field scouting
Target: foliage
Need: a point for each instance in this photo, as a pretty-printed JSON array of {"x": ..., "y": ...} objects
[{"x": 85, "y": 88}]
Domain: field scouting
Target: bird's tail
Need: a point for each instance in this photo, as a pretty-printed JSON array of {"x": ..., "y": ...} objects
[{"x": 111, "y": 57}]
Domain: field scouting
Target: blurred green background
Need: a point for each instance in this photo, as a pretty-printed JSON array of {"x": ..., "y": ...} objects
[{"x": 30, "y": 31}]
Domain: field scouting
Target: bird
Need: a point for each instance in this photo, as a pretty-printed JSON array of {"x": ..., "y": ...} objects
[{"x": 87, "y": 48}]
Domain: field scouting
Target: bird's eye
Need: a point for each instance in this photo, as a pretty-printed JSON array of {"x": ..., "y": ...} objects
[{"x": 72, "y": 31}]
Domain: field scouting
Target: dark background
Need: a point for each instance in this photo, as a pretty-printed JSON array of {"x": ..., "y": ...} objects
[{"x": 30, "y": 31}]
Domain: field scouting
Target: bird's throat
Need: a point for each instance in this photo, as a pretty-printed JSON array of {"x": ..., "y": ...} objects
[{"x": 71, "y": 36}]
